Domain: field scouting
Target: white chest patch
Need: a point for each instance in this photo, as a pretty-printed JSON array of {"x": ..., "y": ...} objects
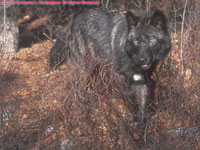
[{"x": 137, "y": 77}]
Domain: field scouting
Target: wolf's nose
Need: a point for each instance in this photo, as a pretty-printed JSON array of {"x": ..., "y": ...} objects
[{"x": 144, "y": 60}]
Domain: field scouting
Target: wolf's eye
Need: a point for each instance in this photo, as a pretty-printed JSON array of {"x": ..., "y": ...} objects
[{"x": 152, "y": 41}]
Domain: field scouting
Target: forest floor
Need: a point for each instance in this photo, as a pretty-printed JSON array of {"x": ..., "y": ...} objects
[{"x": 34, "y": 107}]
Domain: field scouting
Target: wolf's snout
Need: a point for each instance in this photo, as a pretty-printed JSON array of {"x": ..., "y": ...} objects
[
  {"x": 145, "y": 63},
  {"x": 144, "y": 60}
]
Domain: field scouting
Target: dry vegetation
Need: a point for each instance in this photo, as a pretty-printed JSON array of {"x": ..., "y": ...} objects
[{"x": 41, "y": 109}]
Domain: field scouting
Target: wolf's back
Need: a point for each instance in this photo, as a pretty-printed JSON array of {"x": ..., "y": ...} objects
[{"x": 97, "y": 31}]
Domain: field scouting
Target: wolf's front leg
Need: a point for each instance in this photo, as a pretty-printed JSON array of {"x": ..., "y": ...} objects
[{"x": 138, "y": 96}]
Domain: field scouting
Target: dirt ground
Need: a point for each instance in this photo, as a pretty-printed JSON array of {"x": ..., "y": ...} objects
[{"x": 40, "y": 108}]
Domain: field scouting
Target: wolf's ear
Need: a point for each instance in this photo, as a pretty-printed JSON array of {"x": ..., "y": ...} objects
[
  {"x": 132, "y": 20},
  {"x": 159, "y": 20}
]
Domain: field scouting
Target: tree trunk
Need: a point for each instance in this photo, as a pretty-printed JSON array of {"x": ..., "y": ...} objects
[{"x": 8, "y": 29}]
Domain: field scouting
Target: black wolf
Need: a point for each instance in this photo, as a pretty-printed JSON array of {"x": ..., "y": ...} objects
[{"x": 136, "y": 42}]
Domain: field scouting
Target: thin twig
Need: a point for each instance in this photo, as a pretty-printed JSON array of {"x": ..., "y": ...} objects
[
  {"x": 107, "y": 3},
  {"x": 181, "y": 46}
]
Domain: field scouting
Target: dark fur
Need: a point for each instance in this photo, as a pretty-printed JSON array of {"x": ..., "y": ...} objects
[{"x": 136, "y": 43}]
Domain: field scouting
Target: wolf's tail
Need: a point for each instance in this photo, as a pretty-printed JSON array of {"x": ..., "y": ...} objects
[{"x": 60, "y": 52}]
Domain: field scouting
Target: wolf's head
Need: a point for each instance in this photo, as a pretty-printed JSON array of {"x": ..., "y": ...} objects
[{"x": 148, "y": 40}]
